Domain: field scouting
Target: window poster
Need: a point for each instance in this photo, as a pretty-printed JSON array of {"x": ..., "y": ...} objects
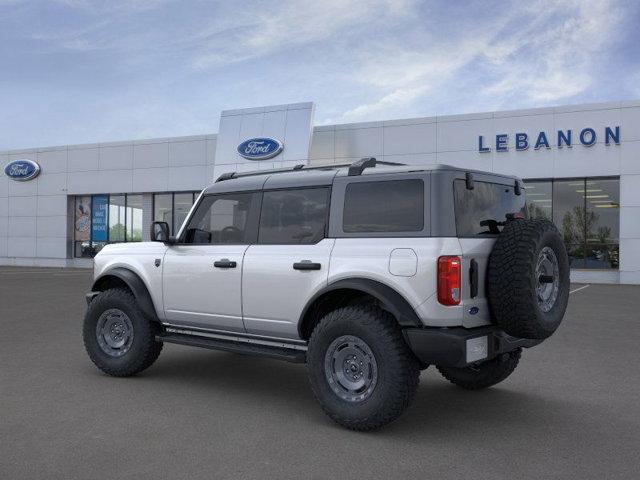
[
  {"x": 83, "y": 219},
  {"x": 99, "y": 208}
]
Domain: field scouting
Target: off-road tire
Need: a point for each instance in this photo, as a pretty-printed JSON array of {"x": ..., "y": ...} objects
[
  {"x": 512, "y": 279},
  {"x": 398, "y": 371},
  {"x": 484, "y": 375},
  {"x": 144, "y": 349}
]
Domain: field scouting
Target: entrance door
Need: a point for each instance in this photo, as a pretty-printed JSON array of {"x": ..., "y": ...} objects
[
  {"x": 289, "y": 263},
  {"x": 202, "y": 274}
]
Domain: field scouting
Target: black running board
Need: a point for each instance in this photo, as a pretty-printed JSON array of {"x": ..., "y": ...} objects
[{"x": 287, "y": 354}]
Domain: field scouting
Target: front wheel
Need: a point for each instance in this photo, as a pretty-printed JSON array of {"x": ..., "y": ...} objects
[
  {"x": 361, "y": 371},
  {"x": 119, "y": 339},
  {"x": 486, "y": 374}
]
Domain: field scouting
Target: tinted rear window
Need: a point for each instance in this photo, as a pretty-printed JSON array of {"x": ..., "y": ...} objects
[
  {"x": 389, "y": 206},
  {"x": 483, "y": 210},
  {"x": 296, "y": 216}
]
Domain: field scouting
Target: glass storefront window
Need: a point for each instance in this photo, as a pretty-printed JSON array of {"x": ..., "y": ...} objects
[
  {"x": 182, "y": 203},
  {"x": 134, "y": 218},
  {"x": 603, "y": 225},
  {"x": 102, "y": 219},
  {"x": 569, "y": 217},
  {"x": 82, "y": 226},
  {"x": 539, "y": 199},
  {"x": 117, "y": 218},
  {"x": 172, "y": 208},
  {"x": 163, "y": 209},
  {"x": 587, "y": 213}
]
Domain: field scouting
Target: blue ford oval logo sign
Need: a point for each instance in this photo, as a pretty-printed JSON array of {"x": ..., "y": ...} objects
[
  {"x": 260, "y": 148},
  {"x": 22, "y": 170},
  {"x": 474, "y": 310}
]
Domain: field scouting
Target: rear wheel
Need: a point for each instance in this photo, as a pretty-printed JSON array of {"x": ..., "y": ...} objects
[
  {"x": 119, "y": 339},
  {"x": 361, "y": 371},
  {"x": 484, "y": 375}
]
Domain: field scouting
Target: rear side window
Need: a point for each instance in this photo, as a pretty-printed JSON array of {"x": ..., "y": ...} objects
[
  {"x": 296, "y": 216},
  {"x": 483, "y": 210},
  {"x": 388, "y": 206}
]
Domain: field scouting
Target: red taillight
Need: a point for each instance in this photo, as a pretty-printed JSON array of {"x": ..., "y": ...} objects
[{"x": 449, "y": 280}]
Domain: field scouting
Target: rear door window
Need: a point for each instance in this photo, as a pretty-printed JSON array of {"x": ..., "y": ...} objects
[
  {"x": 295, "y": 216},
  {"x": 483, "y": 210},
  {"x": 384, "y": 206}
]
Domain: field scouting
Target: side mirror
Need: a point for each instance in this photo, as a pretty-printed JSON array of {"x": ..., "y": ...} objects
[{"x": 160, "y": 232}]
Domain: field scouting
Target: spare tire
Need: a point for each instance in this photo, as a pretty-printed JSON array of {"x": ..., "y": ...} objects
[{"x": 528, "y": 279}]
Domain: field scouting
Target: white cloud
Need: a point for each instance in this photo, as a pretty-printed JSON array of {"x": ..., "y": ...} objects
[
  {"x": 550, "y": 61},
  {"x": 286, "y": 25},
  {"x": 544, "y": 52}
]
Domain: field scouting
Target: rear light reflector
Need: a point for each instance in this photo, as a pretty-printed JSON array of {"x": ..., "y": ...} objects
[{"x": 449, "y": 268}]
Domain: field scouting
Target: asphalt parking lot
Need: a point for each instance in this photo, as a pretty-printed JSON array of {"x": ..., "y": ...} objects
[{"x": 571, "y": 409}]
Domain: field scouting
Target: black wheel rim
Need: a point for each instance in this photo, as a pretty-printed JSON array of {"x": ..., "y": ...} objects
[
  {"x": 351, "y": 368},
  {"x": 114, "y": 332},
  {"x": 547, "y": 279}
]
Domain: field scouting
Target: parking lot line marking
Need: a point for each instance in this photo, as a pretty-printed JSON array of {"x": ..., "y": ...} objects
[{"x": 580, "y": 288}]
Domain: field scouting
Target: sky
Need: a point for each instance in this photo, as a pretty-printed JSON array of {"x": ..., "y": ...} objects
[{"x": 80, "y": 71}]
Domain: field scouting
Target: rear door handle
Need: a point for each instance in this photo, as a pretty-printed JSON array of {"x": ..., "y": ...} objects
[
  {"x": 224, "y": 263},
  {"x": 306, "y": 265}
]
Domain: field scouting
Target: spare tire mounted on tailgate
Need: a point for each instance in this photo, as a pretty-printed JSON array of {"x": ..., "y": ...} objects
[{"x": 528, "y": 284}]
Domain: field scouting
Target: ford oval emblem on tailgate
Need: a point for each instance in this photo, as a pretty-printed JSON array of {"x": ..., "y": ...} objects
[{"x": 474, "y": 310}]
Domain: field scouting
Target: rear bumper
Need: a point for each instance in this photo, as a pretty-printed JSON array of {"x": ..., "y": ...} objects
[{"x": 460, "y": 347}]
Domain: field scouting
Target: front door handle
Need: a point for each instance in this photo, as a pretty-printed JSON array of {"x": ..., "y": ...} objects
[
  {"x": 224, "y": 263},
  {"x": 306, "y": 265}
]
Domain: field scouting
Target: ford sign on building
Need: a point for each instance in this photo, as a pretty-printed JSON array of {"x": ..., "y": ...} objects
[
  {"x": 22, "y": 170},
  {"x": 580, "y": 165},
  {"x": 260, "y": 148}
]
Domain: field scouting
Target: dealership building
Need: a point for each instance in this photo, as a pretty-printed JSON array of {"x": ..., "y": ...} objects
[{"x": 581, "y": 165}]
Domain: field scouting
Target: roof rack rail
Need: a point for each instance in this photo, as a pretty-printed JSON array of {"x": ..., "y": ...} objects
[
  {"x": 355, "y": 168},
  {"x": 226, "y": 176},
  {"x": 230, "y": 175}
]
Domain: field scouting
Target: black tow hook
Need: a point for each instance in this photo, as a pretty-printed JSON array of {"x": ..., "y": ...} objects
[{"x": 545, "y": 279}]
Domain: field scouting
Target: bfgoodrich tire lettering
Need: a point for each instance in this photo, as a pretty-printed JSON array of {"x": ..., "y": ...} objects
[
  {"x": 396, "y": 369},
  {"x": 528, "y": 280},
  {"x": 133, "y": 347}
]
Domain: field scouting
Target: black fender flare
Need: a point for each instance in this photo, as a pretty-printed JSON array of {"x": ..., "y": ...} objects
[
  {"x": 135, "y": 284},
  {"x": 388, "y": 297}
]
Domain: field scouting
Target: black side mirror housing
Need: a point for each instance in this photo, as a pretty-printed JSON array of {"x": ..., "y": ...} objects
[{"x": 160, "y": 232}]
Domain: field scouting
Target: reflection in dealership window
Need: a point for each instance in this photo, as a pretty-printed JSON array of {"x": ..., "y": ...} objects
[
  {"x": 134, "y": 218},
  {"x": 587, "y": 214},
  {"x": 182, "y": 204},
  {"x": 603, "y": 223},
  {"x": 163, "y": 209},
  {"x": 539, "y": 199},
  {"x": 172, "y": 208},
  {"x": 117, "y": 217}
]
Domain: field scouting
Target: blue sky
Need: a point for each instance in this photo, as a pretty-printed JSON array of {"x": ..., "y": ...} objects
[{"x": 79, "y": 71}]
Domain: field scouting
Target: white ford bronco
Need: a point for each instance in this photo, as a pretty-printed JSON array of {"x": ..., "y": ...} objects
[{"x": 366, "y": 272}]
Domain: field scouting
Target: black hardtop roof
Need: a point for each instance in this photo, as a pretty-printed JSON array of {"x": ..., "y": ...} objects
[{"x": 318, "y": 175}]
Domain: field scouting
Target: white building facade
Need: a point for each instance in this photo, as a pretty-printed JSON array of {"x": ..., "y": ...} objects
[{"x": 581, "y": 165}]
